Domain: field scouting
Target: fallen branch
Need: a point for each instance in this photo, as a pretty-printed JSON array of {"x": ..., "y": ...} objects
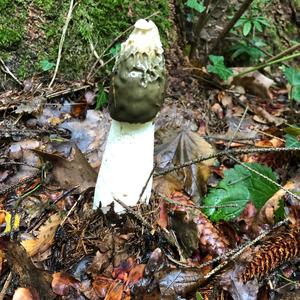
[
  {"x": 6, "y": 70},
  {"x": 232, "y": 22},
  {"x": 62, "y": 39}
]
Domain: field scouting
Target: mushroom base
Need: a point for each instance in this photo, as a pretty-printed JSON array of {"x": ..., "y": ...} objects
[{"x": 126, "y": 165}]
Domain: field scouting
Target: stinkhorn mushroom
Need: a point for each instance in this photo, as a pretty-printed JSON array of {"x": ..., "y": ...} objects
[{"x": 136, "y": 95}]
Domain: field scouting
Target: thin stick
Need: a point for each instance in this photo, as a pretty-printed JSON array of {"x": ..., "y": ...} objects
[
  {"x": 166, "y": 235},
  {"x": 225, "y": 152},
  {"x": 284, "y": 53},
  {"x": 6, "y": 70},
  {"x": 263, "y": 65},
  {"x": 265, "y": 177},
  {"x": 171, "y": 201},
  {"x": 62, "y": 39},
  {"x": 231, "y": 23},
  {"x": 238, "y": 127},
  {"x": 6, "y": 286}
]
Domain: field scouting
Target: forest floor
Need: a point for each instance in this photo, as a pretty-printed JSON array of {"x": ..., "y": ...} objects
[{"x": 223, "y": 219}]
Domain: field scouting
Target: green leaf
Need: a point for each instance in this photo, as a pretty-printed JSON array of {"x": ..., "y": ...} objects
[
  {"x": 219, "y": 67},
  {"x": 115, "y": 50},
  {"x": 240, "y": 186},
  {"x": 257, "y": 25},
  {"x": 247, "y": 28},
  {"x": 263, "y": 21},
  {"x": 198, "y": 296},
  {"x": 293, "y": 130},
  {"x": 101, "y": 99},
  {"x": 296, "y": 93},
  {"x": 291, "y": 141},
  {"x": 293, "y": 76},
  {"x": 46, "y": 65},
  {"x": 195, "y": 4}
]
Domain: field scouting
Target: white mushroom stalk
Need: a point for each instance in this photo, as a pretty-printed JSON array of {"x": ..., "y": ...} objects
[{"x": 137, "y": 93}]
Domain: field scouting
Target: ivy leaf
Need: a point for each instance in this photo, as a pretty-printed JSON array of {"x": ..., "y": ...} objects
[
  {"x": 195, "y": 4},
  {"x": 46, "y": 65},
  {"x": 291, "y": 141},
  {"x": 247, "y": 28},
  {"x": 238, "y": 187},
  {"x": 219, "y": 67}
]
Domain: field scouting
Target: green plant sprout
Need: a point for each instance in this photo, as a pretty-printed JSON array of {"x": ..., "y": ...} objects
[
  {"x": 218, "y": 67},
  {"x": 293, "y": 77}
]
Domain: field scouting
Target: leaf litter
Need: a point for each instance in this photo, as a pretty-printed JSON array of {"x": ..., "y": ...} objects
[{"x": 77, "y": 253}]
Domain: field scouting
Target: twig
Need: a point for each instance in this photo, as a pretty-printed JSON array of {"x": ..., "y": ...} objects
[
  {"x": 146, "y": 184},
  {"x": 171, "y": 201},
  {"x": 166, "y": 235},
  {"x": 263, "y": 65},
  {"x": 225, "y": 152},
  {"x": 232, "y": 22},
  {"x": 6, "y": 285},
  {"x": 238, "y": 127},
  {"x": 242, "y": 249},
  {"x": 66, "y": 91},
  {"x": 62, "y": 39},
  {"x": 71, "y": 210},
  {"x": 43, "y": 214},
  {"x": 6, "y": 70},
  {"x": 284, "y": 53},
  {"x": 265, "y": 177}
]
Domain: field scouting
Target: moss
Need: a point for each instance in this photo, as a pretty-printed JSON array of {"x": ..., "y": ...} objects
[
  {"x": 92, "y": 20},
  {"x": 13, "y": 16}
]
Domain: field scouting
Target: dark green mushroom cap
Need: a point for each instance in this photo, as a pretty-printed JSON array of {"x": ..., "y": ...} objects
[{"x": 138, "y": 84}]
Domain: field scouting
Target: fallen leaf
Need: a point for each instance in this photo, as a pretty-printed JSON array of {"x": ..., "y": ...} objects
[
  {"x": 179, "y": 282},
  {"x": 181, "y": 147},
  {"x": 45, "y": 237},
  {"x": 101, "y": 285},
  {"x": 73, "y": 172},
  {"x": 115, "y": 291},
  {"x": 35, "y": 105},
  {"x": 63, "y": 283},
  {"x": 267, "y": 212}
]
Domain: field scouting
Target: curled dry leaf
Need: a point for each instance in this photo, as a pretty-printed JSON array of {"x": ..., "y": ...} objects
[
  {"x": 267, "y": 213},
  {"x": 45, "y": 237},
  {"x": 73, "y": 172},
  {"x": 181, "y": 147}
]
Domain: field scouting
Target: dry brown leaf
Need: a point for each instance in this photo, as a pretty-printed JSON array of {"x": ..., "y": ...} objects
[
  {"x": 254, "y": 83},
  {"x": 115, "y": 291},
  {"x": 73, "y": 172},
  {"x": 181, "y": 147},
  {"x": 267, "y": 212},
  {"x": 63, "y": 283},
  {"x": 45, "y": 237}
]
